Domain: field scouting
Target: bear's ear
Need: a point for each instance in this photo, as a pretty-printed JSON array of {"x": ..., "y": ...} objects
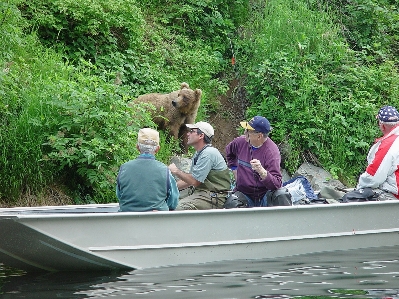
[
  {"x": 198, "y": 93},
  {"x": 184, "y": 85}
]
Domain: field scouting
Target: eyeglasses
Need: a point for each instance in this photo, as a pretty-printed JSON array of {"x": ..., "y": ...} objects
[
  {"x": 247, "y": 132},
  {"x": 198, "y": 131}
]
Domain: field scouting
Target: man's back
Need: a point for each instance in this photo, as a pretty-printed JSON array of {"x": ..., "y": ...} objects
[{"x": 143, "y": 185}]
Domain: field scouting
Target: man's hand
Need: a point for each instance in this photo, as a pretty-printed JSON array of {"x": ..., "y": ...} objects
[
  {"x": 184, "y": 179},
  {"x": 173, "y": 168},
  {"x": 257, "y": 166}
]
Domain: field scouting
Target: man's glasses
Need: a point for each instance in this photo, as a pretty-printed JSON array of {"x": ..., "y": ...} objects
[
  {"x": 198, "y": 131},
  {"x": 247, "y": 132}
]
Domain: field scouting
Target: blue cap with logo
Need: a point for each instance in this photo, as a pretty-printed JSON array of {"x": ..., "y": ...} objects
[
  {"x": 388, "y": 114},
  {"x": 257, "y": 123}
]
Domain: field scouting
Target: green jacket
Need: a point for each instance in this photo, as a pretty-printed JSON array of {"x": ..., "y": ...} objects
[{"x": 145, "y": 184}]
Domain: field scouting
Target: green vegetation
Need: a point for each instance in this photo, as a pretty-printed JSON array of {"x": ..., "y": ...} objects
[
  {"x": 320, "y": 93},
  {"x": 71, "y": 70}
]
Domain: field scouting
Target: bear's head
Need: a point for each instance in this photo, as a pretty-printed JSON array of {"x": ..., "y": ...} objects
[{"x": 187, "y": 100}]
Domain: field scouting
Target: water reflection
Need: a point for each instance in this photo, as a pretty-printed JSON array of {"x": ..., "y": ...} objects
[
  {"x": 350, "y": 274},
  {"x": 19, "y": 284}
]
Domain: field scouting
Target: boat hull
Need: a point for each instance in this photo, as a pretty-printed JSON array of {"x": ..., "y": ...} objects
[{"x": 91, "y": 239}]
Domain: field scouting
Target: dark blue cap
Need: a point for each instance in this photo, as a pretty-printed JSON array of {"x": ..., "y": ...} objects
[{"x": 257, "y": 123}]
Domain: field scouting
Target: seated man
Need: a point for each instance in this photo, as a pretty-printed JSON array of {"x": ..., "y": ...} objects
[
  {"x": 382, "y": 172},
  {"x": 145, "y": 184},
  {"x": 209, "y": 178},
  {"x": 255, "y": 161}
]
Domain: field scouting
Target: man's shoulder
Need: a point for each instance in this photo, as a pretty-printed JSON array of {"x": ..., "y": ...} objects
[
  {"x": 271, "y": 144},
  {"x": 145, "y": 161},
  {"x": 237, "y": 142},
  {"x": 161, "y": 164},
  {"x": 389, "y": 144},
  {"x": 240, "y": 139},
  {"x": 130, "y": 162},
  {"x": 210, "y": 150}
]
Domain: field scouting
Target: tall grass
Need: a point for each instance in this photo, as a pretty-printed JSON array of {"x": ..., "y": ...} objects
[{"x": 26, "y": 70}]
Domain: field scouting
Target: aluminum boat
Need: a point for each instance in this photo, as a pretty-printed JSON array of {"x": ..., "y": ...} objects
[{"x": 97, "y": 237}]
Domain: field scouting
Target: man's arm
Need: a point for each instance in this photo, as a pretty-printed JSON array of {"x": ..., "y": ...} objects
[
  {"x": 117, "y": 191},
  {"x": 231, "y": 155},
  {"x": 173, "y": 195},
  {"x": 186, "y": 179},
  {"x": 379, "y": 168}
]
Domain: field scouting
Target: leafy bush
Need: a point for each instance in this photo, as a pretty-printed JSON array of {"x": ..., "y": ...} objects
[
  {"x": 369, "y": 25},
  {"x": 95, "y": 132},
  {"x": 212, "y": 20},
  {"x": 110, "y": 34},
  {"x": 319, "y": 70},
  {"x": 25, "y": 70},
  {"x": 86, "y": 29},
  {"x": 71, "y": 122}
]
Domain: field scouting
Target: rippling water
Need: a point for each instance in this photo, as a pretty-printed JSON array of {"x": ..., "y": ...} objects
[{"x": 371, "y": 273}]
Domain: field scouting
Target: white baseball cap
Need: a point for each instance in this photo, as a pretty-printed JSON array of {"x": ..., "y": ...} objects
[{"x": 206, "y": 128}]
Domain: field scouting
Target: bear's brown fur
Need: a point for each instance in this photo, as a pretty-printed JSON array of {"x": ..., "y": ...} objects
[{"x": 174, "y": 110}]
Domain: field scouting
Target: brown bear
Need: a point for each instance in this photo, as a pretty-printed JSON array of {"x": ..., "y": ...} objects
[{"x": 174, "y": 110}]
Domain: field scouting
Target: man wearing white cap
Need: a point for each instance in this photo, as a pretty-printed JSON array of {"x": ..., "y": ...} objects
[
  {"x": 145, "y": 184},
  {"x": 209, "y": 177}
]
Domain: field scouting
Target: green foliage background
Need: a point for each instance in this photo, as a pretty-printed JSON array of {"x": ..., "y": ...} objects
[
  {"x": 320, "y": 90},
  {"x": 70, "y": 71}
]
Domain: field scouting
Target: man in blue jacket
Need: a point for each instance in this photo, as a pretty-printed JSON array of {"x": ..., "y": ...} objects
[{"x": 145, "y": 184}]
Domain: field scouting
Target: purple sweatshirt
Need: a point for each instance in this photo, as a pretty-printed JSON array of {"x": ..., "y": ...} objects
[{"x": 239, "y": 152}]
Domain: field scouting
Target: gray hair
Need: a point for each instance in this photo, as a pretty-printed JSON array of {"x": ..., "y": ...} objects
[
  {"x": 265, "y": 135},
  {"x": 147, "y": 148},
  {"x": 207, "y": 140},
  {"x": 390, "y": 124}
]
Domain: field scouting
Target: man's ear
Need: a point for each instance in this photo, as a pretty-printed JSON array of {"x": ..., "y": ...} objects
[{"x": 158, "y": 148}]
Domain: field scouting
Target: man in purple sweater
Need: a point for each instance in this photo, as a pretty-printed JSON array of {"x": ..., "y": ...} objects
[{"x": 255, "y": 161}]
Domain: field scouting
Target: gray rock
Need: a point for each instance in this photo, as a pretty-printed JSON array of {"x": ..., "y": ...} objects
[
  {"x": 318, "y": 177},
  {"x": 182, "y": 163},
  {"x": 285, "y": 174}
]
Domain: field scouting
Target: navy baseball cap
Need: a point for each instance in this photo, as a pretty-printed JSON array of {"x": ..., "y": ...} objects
[
  {"x": 388, "y": 114},
  {"x": 257, "y": 123}
]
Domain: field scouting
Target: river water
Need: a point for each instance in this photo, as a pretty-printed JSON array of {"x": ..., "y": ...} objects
[{"x": 368, "y": 273}]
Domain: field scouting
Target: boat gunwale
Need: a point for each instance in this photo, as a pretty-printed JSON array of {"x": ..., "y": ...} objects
[{"x": 61, "y": 211}]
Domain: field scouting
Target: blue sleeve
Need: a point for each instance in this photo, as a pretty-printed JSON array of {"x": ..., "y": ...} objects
[
  {"x": 118, "y": 195},
  {"x": 117, "y": 192},
  {"x": 173, "y": 194}
]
